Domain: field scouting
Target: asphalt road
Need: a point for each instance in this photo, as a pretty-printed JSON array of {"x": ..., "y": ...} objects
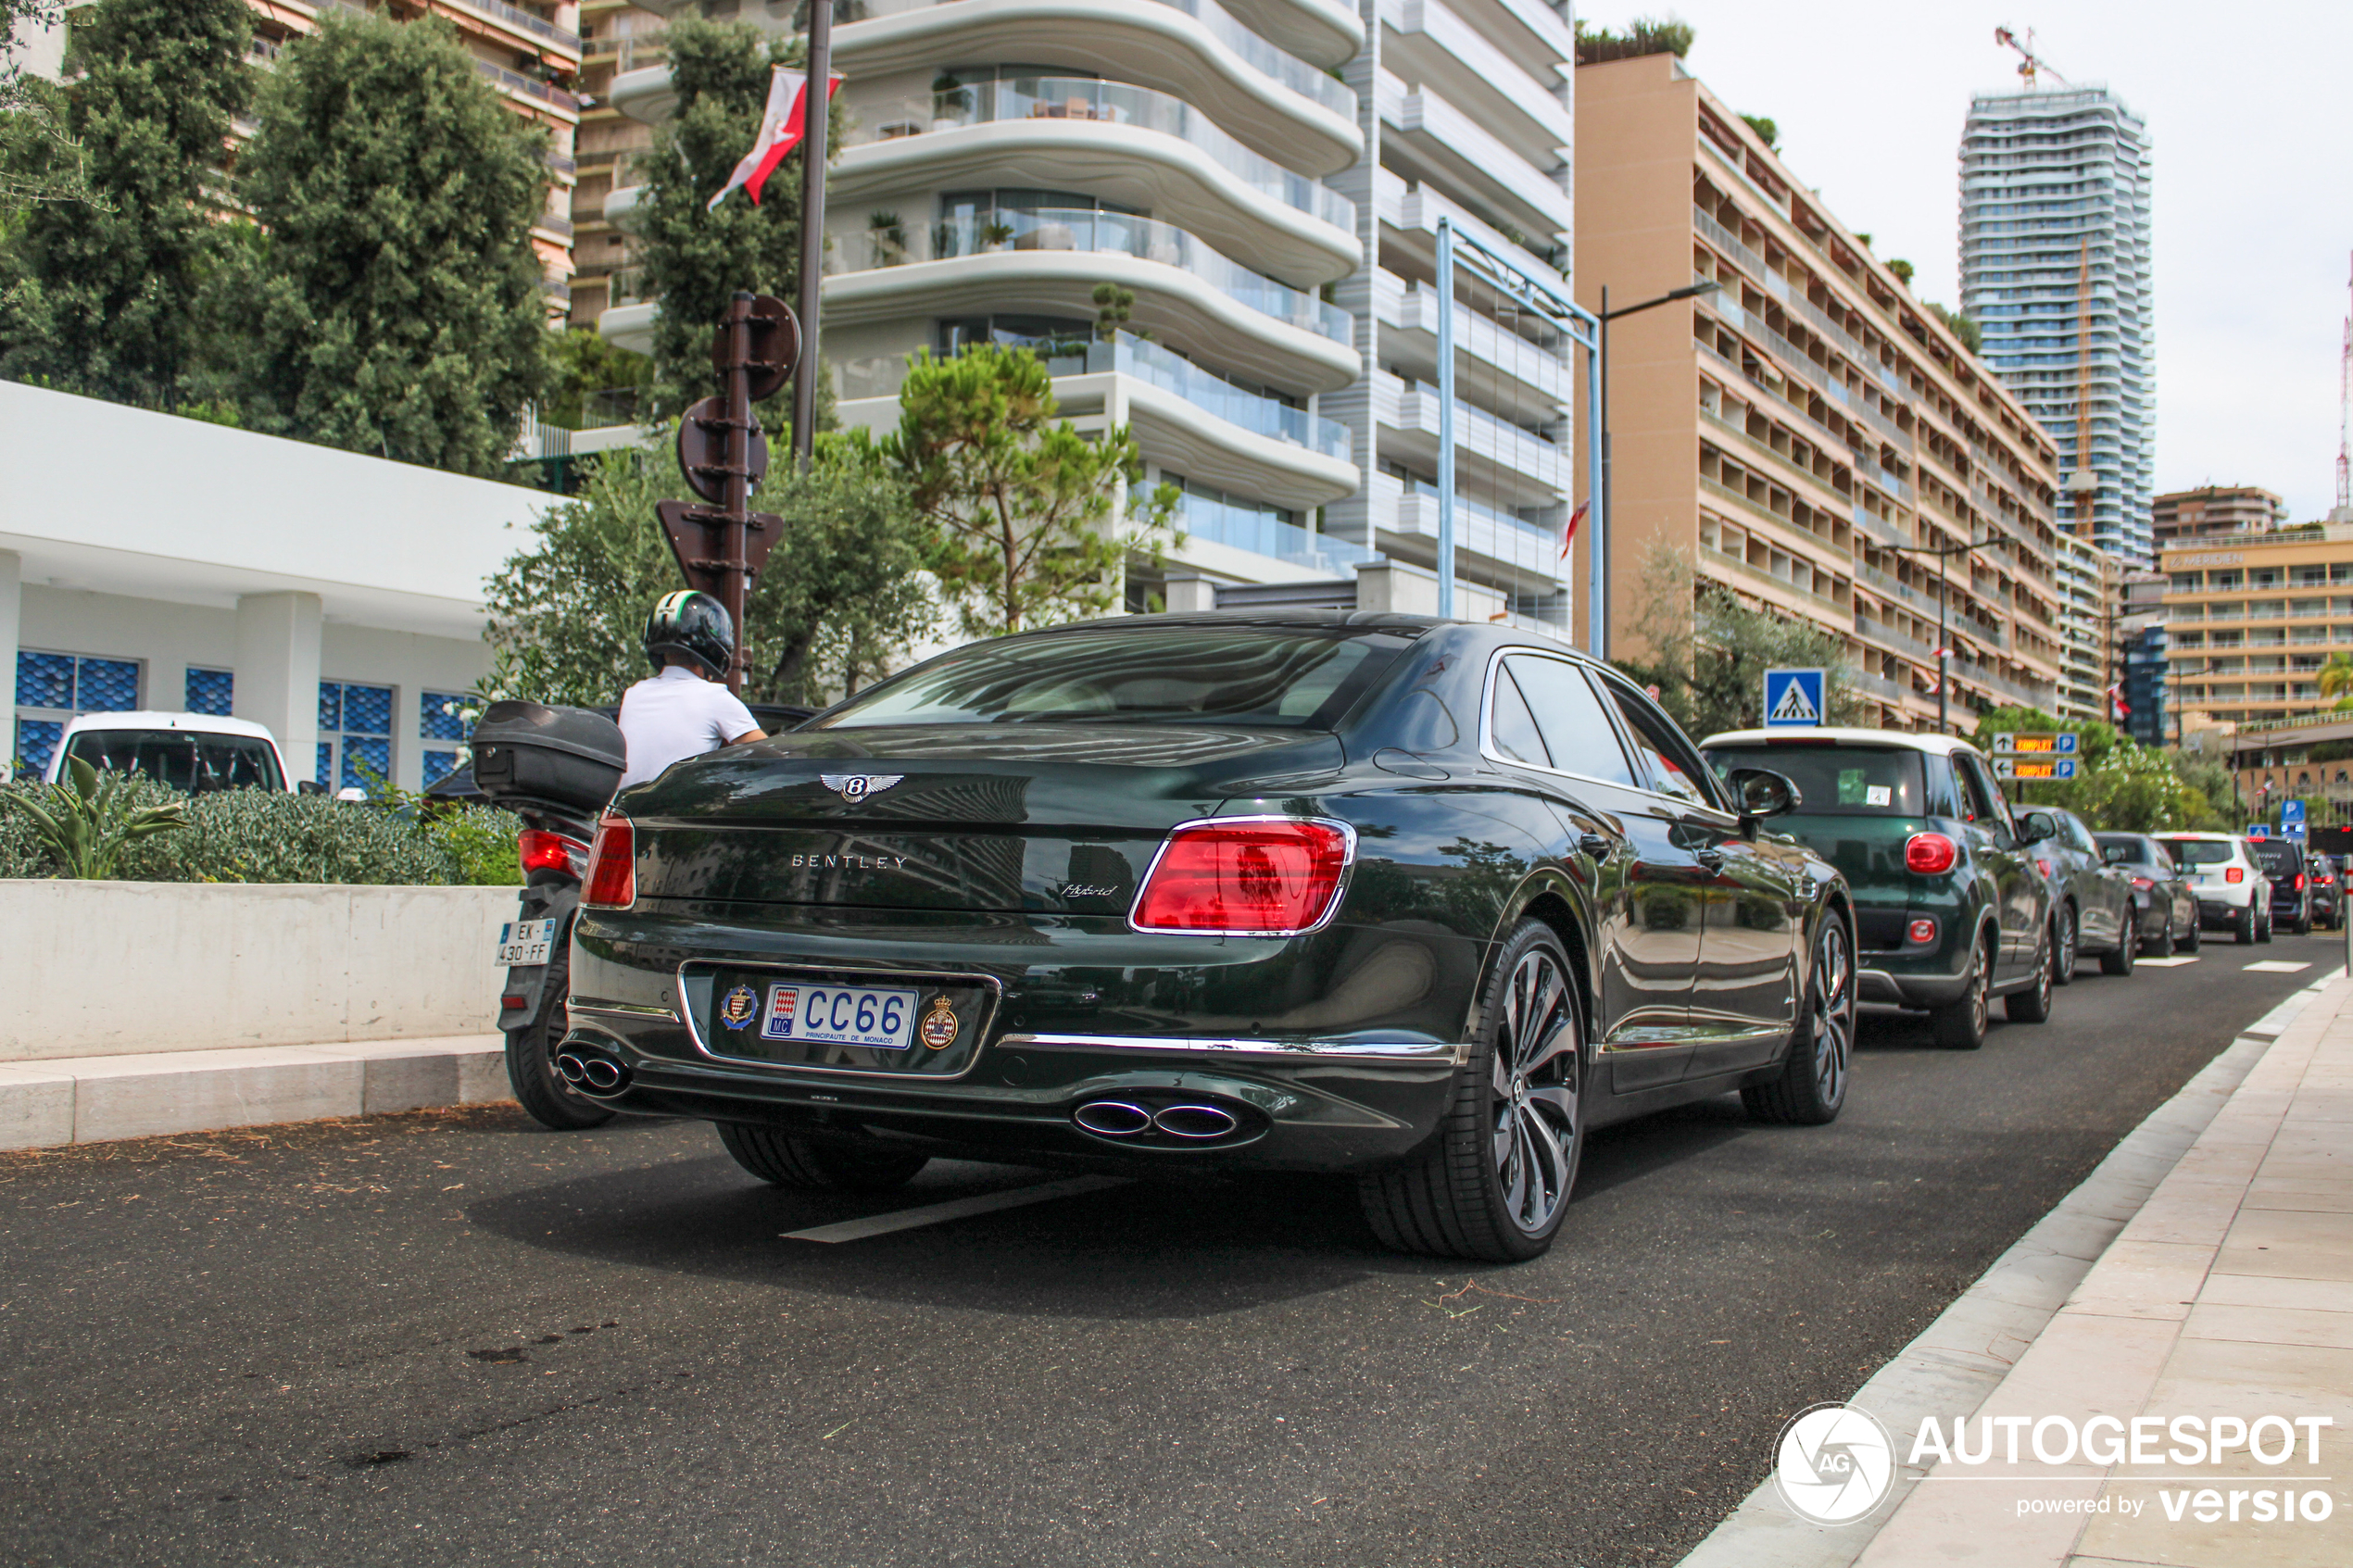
[{"x": 454, "y": 1338}]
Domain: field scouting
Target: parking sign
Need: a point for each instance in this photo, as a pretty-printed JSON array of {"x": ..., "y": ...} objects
[
  {"x": 2291, "y": 813},
  {"x": 1793, "y": 698}
]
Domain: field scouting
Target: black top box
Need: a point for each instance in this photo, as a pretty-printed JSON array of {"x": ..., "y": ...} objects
[{"x": 528, "y": 751}]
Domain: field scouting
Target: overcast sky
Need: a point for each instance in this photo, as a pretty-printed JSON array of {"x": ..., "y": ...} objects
[{"x": 2246, "y": 112}]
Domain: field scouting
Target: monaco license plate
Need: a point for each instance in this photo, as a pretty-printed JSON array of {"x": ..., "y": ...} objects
[
  {"x": 525, "y": 941},
  {"x": 878, "y": 1017}
]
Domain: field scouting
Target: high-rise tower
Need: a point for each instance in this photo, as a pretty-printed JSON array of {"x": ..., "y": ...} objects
[{"x": 2055, "y": 270}]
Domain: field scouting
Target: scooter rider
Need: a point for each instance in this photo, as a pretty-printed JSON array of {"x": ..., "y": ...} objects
[{"x": 684, "y": 709}]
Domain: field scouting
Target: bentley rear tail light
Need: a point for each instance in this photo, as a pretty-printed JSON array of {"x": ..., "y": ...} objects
[
  {"x": 1245, "y": 876},
  {"x": 543, "y": 851},
  {"x": 2234, "y": 874},
  {"x": 1929, "y": 853},
  {"x": 612, "y": 866}
]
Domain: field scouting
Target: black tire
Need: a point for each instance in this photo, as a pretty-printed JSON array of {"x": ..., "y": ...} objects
[
  {"x": 1520, "y": 1094},
  {"x": 1960, "y": 1026},
  {"x": 2243, "y": 926},
  {"x": 2121, "y": 960},
  {"x": 2033, "y": 1004},
  {"x": 2263, "y": 924},
  {"x": 2303, "y": 926},
  {"x": 2069, "y": 946},
  {"x": 2191, "y": 937},
  {"x": 785, "y": 1160},
  {"x": 1812, "y": 1086},
  {"x": 530, "y": 1059},
  {"x": 2161, "y": 944}
]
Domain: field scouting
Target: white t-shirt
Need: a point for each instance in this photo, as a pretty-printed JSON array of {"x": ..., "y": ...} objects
[{"x": 674, "y": 715}]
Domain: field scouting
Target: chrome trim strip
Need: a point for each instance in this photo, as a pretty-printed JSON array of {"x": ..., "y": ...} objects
[
  {"x": 1340, "y": 888},
  {"x": 620, "y": 1009},
  {"x": 989, "y": 983},
  {"x": 1409, "y": 1052}
]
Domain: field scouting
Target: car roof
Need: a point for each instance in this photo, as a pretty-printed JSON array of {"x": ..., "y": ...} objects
[
  {"x": 1271, "y": 616},
  {"x": 2205, "y": 838},
  {"x": 151, "y": 719},
  {"x": 1886, "y": 740}
]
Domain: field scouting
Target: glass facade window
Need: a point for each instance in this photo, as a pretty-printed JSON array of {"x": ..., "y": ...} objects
[
  {"x": 53, "y": 688},
  {"x": 211, "y": 691},
  {"x": 442, "y": 715},
  {"x": 355, "y": 735}
]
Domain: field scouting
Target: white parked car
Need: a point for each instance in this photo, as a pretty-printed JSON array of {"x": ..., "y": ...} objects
[
  {"x": 2222, "y": 872},
  {"x": 190, "y": 751}
]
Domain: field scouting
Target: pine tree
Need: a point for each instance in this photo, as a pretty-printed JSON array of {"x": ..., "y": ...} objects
[
  {"x": 98, "y": 294},
  {"x": 389, "y": 300},
  {"x": 693, "y": 260}
]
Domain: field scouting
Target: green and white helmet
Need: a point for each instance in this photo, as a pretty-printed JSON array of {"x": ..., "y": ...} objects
[{"x": 691, "y": 625}]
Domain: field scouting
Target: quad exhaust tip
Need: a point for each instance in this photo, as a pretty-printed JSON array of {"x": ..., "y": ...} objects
[
  {"x": 572, "y": 1069},
  {"x": 591, "y": 1075},
  {"x": 1125, "y": 1119}
]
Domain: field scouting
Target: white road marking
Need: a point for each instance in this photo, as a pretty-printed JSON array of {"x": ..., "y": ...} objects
[
  {"x": 2275, "y": 966},
  {"x": 2163, "y": 963},
  {"x": 955, "y": 1209}
]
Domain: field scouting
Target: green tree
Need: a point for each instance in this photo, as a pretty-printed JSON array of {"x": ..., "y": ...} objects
[
  {"x": 1022, "y": 504},
  {"x": 839, "y": 600},
  {"x": 390, "y": 301},
  {"x": 1766, "y": 131},
  {"x": 1709, "y": 652},
  {"x": 593, "y": 382},
  {"x": 40, "y": 160},
  {"x": 2336, "y": 675},
  {"x": 692, "y": 259},
  {"x": 1645, "y": 35},
  {"x": 97, "y": 294},
  {"x": 2120, "y": 785}
]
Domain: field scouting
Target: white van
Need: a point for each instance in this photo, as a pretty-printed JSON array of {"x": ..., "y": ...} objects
[{"x": 190, "y": 751}]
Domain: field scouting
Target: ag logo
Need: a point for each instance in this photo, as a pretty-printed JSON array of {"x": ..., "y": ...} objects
[
  {"x": 736, "y": 1009},
  {"x": 855, "y": 787},
  {"x": 1833, "y": 1464}
]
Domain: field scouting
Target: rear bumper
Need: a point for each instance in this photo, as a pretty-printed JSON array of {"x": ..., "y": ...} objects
[{"x": 1910, "y": 988}]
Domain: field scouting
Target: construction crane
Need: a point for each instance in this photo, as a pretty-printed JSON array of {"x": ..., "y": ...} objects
[
  {"x": 2344, "y": 512},
  {"x": 2030, "y": 64}
]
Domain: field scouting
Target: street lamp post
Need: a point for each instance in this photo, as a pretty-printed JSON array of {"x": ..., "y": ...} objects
[
  {"x": 1607, "y": 519},
  {"x": 1944, "y": 601}
]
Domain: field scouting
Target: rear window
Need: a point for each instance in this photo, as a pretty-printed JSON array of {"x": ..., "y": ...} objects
[
  {"x": 1281, "y": 677},
  {"x": 2124, "y": 851},
  {"x": 1838, "y": 781},
  {"x": 2199, "y": 852},
  {"x": 182, "y": 758},
  {"x": 2273, "y": 855}
]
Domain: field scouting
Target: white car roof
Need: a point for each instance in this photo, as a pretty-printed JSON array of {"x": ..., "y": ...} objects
[
  {"x": 1894, "y": 740},
  {"x": 148, "y": 719}
]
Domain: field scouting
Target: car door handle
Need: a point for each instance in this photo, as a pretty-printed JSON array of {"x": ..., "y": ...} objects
[
  {"x": 1595, "y": 846},
  {"x": 1713, "y": 859}
]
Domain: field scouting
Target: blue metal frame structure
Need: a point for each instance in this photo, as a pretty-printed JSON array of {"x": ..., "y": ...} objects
[{"x": 1583, "y": 329}]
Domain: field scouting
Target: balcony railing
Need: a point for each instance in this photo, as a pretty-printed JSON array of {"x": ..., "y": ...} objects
[
  {"x": 1247, "y": 528},
  {"x": 550, "y": 224},
  {"x": 1214, "y": 394},
  {"x": 515, "y": 81},
  {"x": 1115, "y": 233},
  {"x": 1113, "y": 102},
  {"x": 516, "y": 16},
  {"x": 628, "y": 51},
  {"x": 1266, "y": 58}
]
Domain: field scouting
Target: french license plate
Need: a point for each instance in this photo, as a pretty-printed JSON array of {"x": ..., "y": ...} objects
[
  {"x": 525, "y": 941},
  {"x": 878, "y": 1017}
]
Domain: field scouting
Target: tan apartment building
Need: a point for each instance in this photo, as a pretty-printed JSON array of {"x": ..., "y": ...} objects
[
  {"x": 529, "y": 51},
  {"x": 2252, "y": 618},
  {"x": 1802, "y": 431},
  {"x": 2201, "y": 514},
  {"x": 616, "y": 37}
]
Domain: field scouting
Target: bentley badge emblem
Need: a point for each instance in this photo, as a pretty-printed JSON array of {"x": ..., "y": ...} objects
[
  {"x": 938, "y": 1028},
  {"x": 857, "y": 786}
]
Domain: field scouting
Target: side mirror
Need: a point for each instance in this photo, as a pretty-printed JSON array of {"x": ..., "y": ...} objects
[
  {"x": 1763, "y": 793},
  {"x": 2034, "y": 827},
  {"x": 309, "y": 786}
]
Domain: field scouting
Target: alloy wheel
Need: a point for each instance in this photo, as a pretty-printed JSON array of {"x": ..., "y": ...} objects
[
  {"x": 1980, "y": 992},
  {"x": 2063, "y": 965},
  {"x": 1834, "y": 1021},
  {"x": 1536, "y": 1124}
]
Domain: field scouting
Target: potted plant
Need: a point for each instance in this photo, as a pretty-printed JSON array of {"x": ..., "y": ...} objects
[
  {"x": 952, "y": 102},
  {"x": 996, "y": 234},
  {"x": 889, "y": 238}
]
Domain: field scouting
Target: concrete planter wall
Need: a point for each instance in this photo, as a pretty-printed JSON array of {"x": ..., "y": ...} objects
[{"x": 116, "y": 968}]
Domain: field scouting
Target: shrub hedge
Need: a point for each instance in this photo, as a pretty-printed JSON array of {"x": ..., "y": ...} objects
[{"x": 259, "y": 836}]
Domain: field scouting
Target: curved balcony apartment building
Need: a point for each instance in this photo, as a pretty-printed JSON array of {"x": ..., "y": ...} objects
[
  {"x": 2057, "y": 270},
  {"x": 1005, "y": 160}
]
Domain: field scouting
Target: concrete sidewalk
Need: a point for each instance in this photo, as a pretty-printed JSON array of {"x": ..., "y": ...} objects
[
  {"x": 2229, "y": 1293},
  {"x": 94, "y": 1098}
]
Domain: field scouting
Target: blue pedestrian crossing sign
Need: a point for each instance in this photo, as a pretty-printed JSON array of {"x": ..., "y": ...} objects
[{"x": 1793, "y": 698}]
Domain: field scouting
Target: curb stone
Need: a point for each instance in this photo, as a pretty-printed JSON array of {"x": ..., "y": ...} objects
[{"x": 1958, "y": 1359}]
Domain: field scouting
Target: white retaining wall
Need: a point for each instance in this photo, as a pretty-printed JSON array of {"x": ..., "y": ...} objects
[{"x": 117, "y": 968}]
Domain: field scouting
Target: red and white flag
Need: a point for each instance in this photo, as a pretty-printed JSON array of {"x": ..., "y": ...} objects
[
  {"x": 781, "y": 128},
  {"x": 1568, "y": 535}
]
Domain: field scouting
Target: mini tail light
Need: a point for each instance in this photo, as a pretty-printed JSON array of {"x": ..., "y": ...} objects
[
  {"x": 543, "y": 851},
  {"x": 2234, "y": 874},
  {"x": 1248, "y": 876},
  {"x": 1920, "y": 933},
  {"x": 1929, "y": 853},
  {"x": 612, "y": 866},
  {"x": 2141, "y": 884}
]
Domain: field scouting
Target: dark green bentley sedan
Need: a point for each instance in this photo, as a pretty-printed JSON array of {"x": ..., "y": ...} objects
[{"x": 1419, "y": 902}]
